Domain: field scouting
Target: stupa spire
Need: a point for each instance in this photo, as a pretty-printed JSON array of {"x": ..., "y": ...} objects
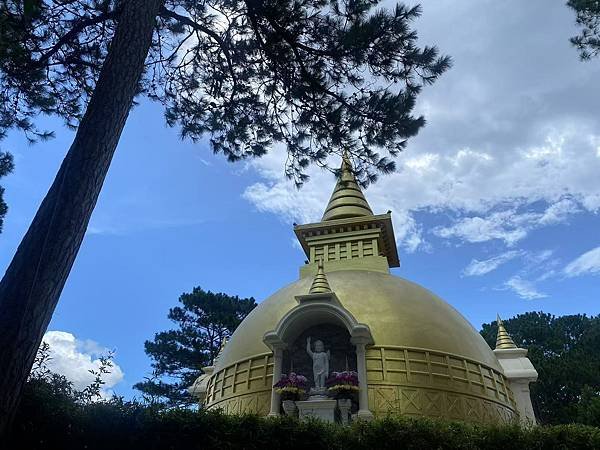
[
  {"x": 320, "y": 285},
  {"x": 349, "y": 236},
  {"x": 503, "y": 340},
  {"x": 347, "y": 199}
]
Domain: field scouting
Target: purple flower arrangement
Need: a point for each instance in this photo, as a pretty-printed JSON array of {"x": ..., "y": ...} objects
[
  {"x": 291, "y": 386},
  {"x": 342, "y": 384}
]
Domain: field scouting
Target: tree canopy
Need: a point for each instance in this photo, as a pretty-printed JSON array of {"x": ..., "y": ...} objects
[
  {"x": 588, "y": 18},
  {"x": 316, "y": 75},
  {"x": 6, "y": 166},
  {"x": 204, "y": 320},
  {"x": 566, "y": 353}
]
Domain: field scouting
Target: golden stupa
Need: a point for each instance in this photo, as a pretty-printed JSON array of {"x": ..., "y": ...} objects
[{"x": 415, "y": 354}]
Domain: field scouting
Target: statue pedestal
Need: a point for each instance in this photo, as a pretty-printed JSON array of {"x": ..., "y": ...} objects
[
  {"x": 344, "y": 405},
  {"x": 318, "y": 408},
  {"x": 317, "y": 394}
]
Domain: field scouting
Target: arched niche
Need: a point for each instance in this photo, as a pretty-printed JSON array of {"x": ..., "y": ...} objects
[
  {"x": 318, "y": 310},
  {"x": 324, "y": 310}
]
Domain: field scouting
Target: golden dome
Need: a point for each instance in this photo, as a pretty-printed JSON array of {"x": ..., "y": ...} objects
[
  {"x": 397, "y": 311},
  {"x": 427, "y": 359}
]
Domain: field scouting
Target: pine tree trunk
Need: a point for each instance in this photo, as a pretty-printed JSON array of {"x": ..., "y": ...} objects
[{"x": 35, "y": 278}]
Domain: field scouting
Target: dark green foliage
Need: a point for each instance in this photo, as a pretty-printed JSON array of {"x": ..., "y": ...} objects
[
  {"x": 51, "y": 53},
  {"x": 50, "y": 419},
  {"x": 203, "y": 321},
  {"x": 566, "y": 353},
  {"x": 319, "y": 76},
  {"x": 6, "y": 167},
  {"x": 588, "y": 18},
  {"x": 588, "y": 407}
]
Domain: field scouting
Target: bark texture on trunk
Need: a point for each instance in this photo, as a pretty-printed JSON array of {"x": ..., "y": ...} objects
[{"x": 35, "y": 278}]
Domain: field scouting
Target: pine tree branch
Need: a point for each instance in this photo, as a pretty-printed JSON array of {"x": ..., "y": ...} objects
[
  {"x": 214, "y": 35},
  {"x": 73, "y": 32}
]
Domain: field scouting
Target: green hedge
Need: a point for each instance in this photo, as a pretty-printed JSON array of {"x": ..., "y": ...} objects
[{"x": 49, "y": 419}]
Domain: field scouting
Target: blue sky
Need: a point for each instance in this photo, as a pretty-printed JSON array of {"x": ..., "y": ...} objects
[{"x": 495, "y": 203}]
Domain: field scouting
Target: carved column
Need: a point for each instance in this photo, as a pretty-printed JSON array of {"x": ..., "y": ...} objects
[
  {"x": 361, "y": 367},
  {"x": 277, "y": 368}
]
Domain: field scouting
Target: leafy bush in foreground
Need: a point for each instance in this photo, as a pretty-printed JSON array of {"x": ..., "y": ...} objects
[{"x": 50, "y": 418}]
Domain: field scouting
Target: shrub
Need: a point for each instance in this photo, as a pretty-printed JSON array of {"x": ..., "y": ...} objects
[{"x": 50, "y": 417}]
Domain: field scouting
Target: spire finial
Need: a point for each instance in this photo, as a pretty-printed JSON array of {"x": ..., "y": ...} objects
[
  {"x": 347, "y": 199},
  {"x": 503, "y": 340},
  {"x": 346, "y": 157},
  {"x": 320, "y": 285}
]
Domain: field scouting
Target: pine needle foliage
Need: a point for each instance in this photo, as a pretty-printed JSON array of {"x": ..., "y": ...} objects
[
  {"x": 204, "y": 320},
  {"x": 6, "y": 167},
  {"x": 318, "y": 76},
  {"x": 588, "y": 18}
]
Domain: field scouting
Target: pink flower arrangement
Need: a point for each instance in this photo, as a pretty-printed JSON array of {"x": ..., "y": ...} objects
[
  {"x": 342, "y": 384},
  {"x": 291, "y": 386}
]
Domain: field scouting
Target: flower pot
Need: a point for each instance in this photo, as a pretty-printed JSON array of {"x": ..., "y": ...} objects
[{"x": 290, "y": 408}]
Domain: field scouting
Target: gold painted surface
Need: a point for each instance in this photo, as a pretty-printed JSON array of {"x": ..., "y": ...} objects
[
  {"x": 401, "y": 380},
  {"x": 349, "y": 240},
  {"x": 412, "y": 381},
  {"x": 320, "y": 285},
  {"x": 503, "y": 339},
  {"x": 251, "y": 403},
  {"x": 446, "y": 355},
  {"x": 250, "y": 375},
  {"x": 370, "y": 263},
  {"x": 348, "y": 230},
  {"x": 347, "y": 199},
  {"x": 418, "y": 401},
  {"x": 398, "y": 312}
]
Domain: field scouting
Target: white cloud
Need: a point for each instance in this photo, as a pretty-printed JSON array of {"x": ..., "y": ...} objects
[
  {"x": 588, "y": 263},
  {"x": 559, "y": 212},
  {"x": 534, "y": 259},
  {"x": 276, "y": 195},
  {"x": 477, "y": 267},
  {"x": 74, "y": 358},
  {"x": 524, "y": 289},
  {"x": 508, "y": 226},
  {"x": 508, "y": 149},
  {"x": 488, "y": 197}
]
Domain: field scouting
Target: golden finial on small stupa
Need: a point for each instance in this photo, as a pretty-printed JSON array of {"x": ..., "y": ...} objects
[
  {"x": 503, "y": 340},
  {"x": 320, "y": 285}
]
